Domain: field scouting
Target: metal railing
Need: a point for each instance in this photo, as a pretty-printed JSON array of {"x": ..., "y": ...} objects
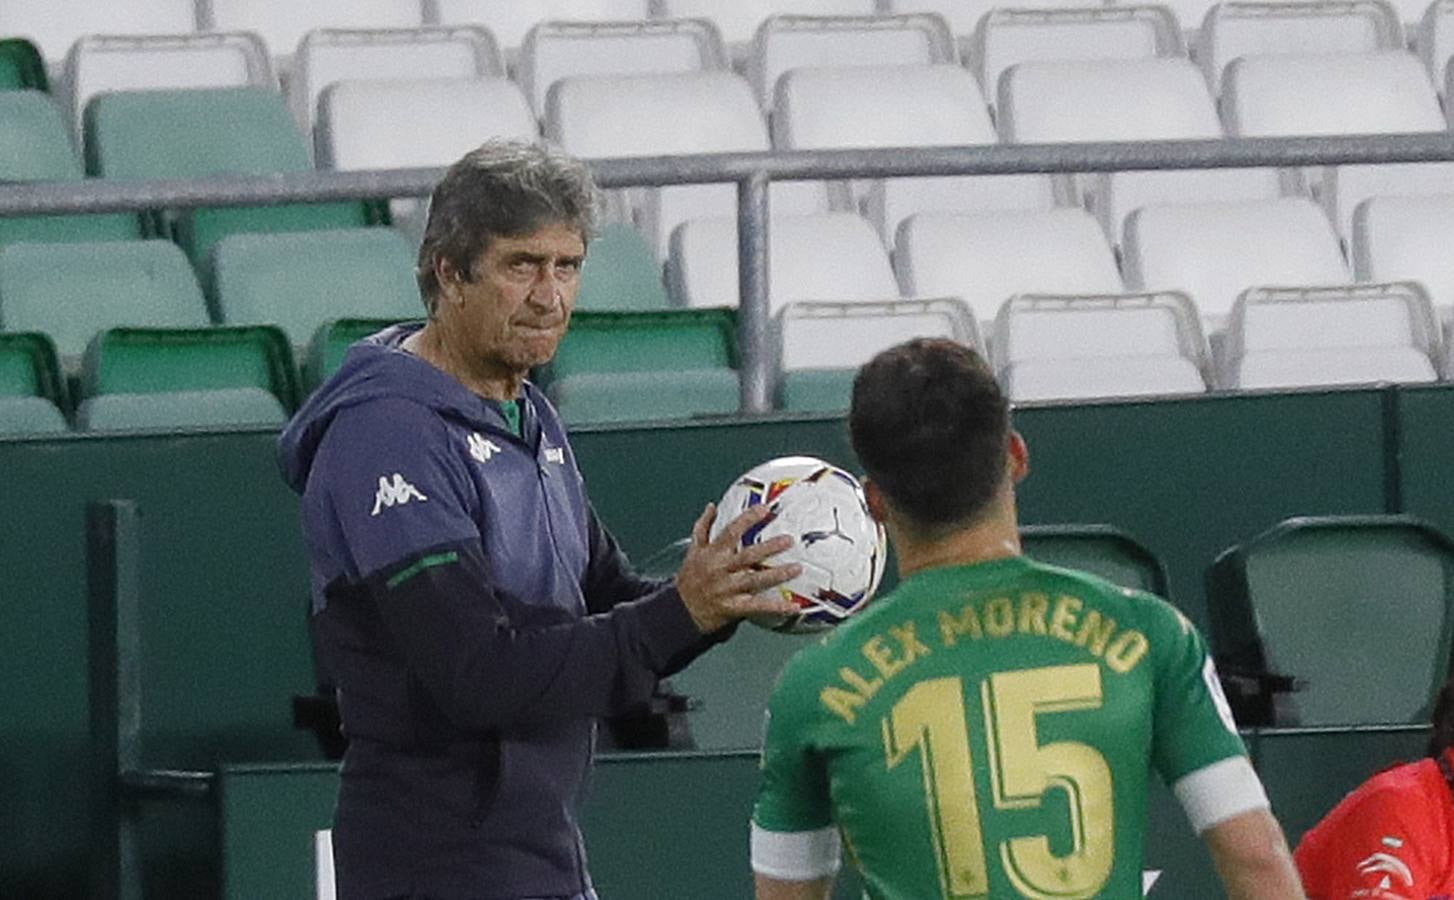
[{"x": 752, "y": 173}]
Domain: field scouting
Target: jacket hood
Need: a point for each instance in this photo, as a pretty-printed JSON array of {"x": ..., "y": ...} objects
[{"x": 374, "y": 368}]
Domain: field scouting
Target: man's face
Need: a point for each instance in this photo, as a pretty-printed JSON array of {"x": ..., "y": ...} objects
[{"x": 515, "y": 309}]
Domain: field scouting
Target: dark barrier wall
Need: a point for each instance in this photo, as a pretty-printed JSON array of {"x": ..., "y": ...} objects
[{"x": 225, "y": 578}]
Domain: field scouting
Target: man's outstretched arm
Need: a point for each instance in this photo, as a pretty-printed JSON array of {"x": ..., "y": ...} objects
[{"x": 1252, "y": 858}]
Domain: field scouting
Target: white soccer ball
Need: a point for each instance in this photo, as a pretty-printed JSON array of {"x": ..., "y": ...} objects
[{"x": 839, "y": 545}]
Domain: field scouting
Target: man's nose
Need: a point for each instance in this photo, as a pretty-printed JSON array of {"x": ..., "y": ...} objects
[{"x": 548, "y": 290}]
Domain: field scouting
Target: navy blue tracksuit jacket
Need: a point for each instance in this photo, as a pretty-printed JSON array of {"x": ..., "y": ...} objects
[{"x": 476, "y": 617}]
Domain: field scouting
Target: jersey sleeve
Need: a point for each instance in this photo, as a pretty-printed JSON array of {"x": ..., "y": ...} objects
[
  {"x": 1371, "y": 847},
  {"x": 793, "y": 835},
  {"x": 392, "y": 485}
]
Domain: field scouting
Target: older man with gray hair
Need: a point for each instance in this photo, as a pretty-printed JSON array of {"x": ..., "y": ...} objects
[{"x": 474, "y": 611}]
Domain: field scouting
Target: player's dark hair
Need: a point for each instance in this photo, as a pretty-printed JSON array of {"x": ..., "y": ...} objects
[
  {"x": 931, "y": 428},
  {"x": 1442, "y": 736},
  {"x": 501, "y": 189}
]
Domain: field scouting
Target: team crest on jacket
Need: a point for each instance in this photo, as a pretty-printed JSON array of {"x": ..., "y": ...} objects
[{"x": 396, "y": 492}]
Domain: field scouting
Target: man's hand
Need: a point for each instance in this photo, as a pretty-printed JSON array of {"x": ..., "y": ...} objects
[{"x": 721, "y": 581}]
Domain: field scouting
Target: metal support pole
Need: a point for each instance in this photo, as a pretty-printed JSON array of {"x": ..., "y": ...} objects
[
  {"x": 754, "y": 324},
  {"x": 114, "y": 567}
]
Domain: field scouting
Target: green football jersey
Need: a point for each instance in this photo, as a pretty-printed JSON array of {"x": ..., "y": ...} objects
[{"x": 988, "y": 731}]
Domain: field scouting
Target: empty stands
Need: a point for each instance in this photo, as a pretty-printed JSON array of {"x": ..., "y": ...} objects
[
  {"x": 53, "y": 25},
  {"x": 739, "y": 20},
  {"x": 510, "y": 20},
  {"x": 283, "y": 23},
  {"x": 794, "y": 42},
  {"x": 167, "y": 360}
]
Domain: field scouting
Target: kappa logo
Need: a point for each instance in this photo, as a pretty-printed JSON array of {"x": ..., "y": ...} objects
[
  {"x": 397, "y": 492},
  {"x": 1390, "y": 867},
  {"x": 481, "y": 448}
]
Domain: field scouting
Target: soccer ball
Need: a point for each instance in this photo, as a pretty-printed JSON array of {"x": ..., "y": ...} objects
[{"x": 839, "y": 545}]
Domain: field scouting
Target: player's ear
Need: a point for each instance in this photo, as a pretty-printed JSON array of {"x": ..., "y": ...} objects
[
  {"x": 1019, "y": 457},
  {"x": 875, "y": 499}
]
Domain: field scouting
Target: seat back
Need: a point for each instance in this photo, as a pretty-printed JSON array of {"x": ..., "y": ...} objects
[
  {"x": 786, "y": 42},
  {"x": 21, "y": 416},
  {"x": 165, "y": 360},
  {"x": 21, "y": 66},
  {"x": 739, "y": 21},
  {"x": 330, "y": 344},
  {"x": 1406, "y": 239},
  {"x": 1435, "y": 41},
  {"x": 621, "y": 272},
  {"x": 554, "y": 50},
  {"x": 1105, "y": 100},
  {"x": 1214, "y": 252},
  {"x": 1240, "y": 28},
  {"x": 282, "y": 23},
  {"x": 1102, "y": 550},
  {"x": 72, "y": 291},
  {"x": 636, "y": 341},
  {"x": 328, "y": 56},
  {"x": 815, "y": 335},
  {"x": 1329, "y": 94},
  {"x": 29, "y": 367},
  {"x": 410, "y": 123},
  {"x": 53, "y": 25},
  {"x": 1282, "y": 602},
  {"x": 300, "y": 281},
  {"x": 964, "y": 16},
  {"x": 247, "y": 407},
  {"x": 511, "y": 20},
  {"x": 987, "y": 259}
]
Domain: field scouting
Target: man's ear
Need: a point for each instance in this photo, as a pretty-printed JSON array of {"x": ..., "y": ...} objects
[
  {"x": 1019, "y": 457},
  {"x": 875, "y": 498},
  {"x": 448, "y": 277}
]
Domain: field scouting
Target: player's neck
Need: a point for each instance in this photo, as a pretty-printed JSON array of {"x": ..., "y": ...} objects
[{"x": 996, "y": 537}]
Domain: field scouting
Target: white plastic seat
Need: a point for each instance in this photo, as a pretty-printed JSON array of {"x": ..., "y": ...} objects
[
  {"x": 1327, "y": 94},
  {"x": 329, "y": 56},
  {"x": 832, "y": 257},
  {"x": 792, "y": 42},
  {"x": 511, "y": 20},
  {"x": 1048, "y": 347},
  {"x": 648, "y": 115},
  {"x": 1215, "y": 251},
  {"x": 1237, "y": 28},
  {"x": 1007, "y": 37},
  {"x": 895, "y": 106},
  {"x": 282, "y": 23},
  {"x": 821, "y": 335},
  {"x": 987, "y": 259},
  {"x": 1406, "y": 239},
  {"x": 1436, "y": 40},
  {"x": 964, "y": 16},
  {"x": 739, "y": 19},
  {"x": 1125, "y": 100},
  {"x": 1353, "y": 335},
  {"x": 556, "y": 50},
  {"x": 53, "y": 25},
  {"x": 101, "y": 64}
]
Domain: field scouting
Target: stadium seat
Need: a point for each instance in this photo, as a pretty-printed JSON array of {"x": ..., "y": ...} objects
[
  {"x": 35, "y": 145},
  {"x": 300, "y": 281},
  {"x": 1327, "y": 94},
  {"x": 620, "y": 272},
  {"x": 166, "y": 360},
  {"x": 330, "y": 344},
  {"x": 72, "y": 291},
  {"x": 634, "y": 366},
  {"x": 1406, "y": 239},
  {"x": 557, "y": 50},
  {"x": 986, "y": 259},
  {"x": 647, "y": 115},
  {"x": 1122, "y": 345},
  {"x": 821, "y": 345},
  {"x": 1007, "y": 37},
  {"x": 897, "y": 106},
  {"x": 510, "y": 20},
  {"x": 1288, "y": 338},
  {"x": 21, "y": 66},
  {"x": 32, "y": 390},
  {"x": 202, "y": 133},
  {"x": 1244, "y": 28},
  {"x": 1435, "y": 40},
  {"x": 732, "y": 685},
  {"x": 738, "y": 21},
  {"x": 106, "y": 64},
  {"x": 1314, "y": 599},
  {"x": 327, "y": 56},
  {"x": 1125, "y": 100},
  {"x": 795, "y": 42},
  {"x": 170, "y": 410},
  {"x": 1215, "y": 251},
  {"x": 1099, "y": 549},
  {"x": 282, "y": 23},
  {"x": 29, "y": 415},
  {"x": 964, "y": 16},
  {"x": 53, "y": 25},
  {"x": 830, "y": 257}
]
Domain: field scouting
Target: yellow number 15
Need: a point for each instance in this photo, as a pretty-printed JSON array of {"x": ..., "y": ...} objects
[{"x": 930, "y": 718}]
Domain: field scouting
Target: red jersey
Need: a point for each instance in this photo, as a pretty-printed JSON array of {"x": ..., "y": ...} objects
[{"x": 1391, "y": 839}]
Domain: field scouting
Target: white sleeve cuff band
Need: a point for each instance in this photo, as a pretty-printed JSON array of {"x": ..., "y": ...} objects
[
  {"x": 1218, "y": 792},
  {"x": 795, "y": 855}
]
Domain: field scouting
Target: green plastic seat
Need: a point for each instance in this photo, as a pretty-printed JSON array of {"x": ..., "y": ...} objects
[
  {"x": 1099, "y": 549},
  {"x": 156, "y": 360},
  {"x": 331, "y": 343},
  {"x": 72, "y": 291},
  {"x": 181, "y": 409},
  {"x": 29, "y": 368},
  {"x": 200, "y": 133},
  {"x": 816, "y": 390},
  {"x": 21, "y": 66},
  {"x": 30, "y": 415},
  {"x": 600, "y": 397},
  {"x": 35, "y": 145},
  {"x": 1357, "y": 608},
  {"x": 621, "y": 273},
  {"x": 300, "y": 281}
]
